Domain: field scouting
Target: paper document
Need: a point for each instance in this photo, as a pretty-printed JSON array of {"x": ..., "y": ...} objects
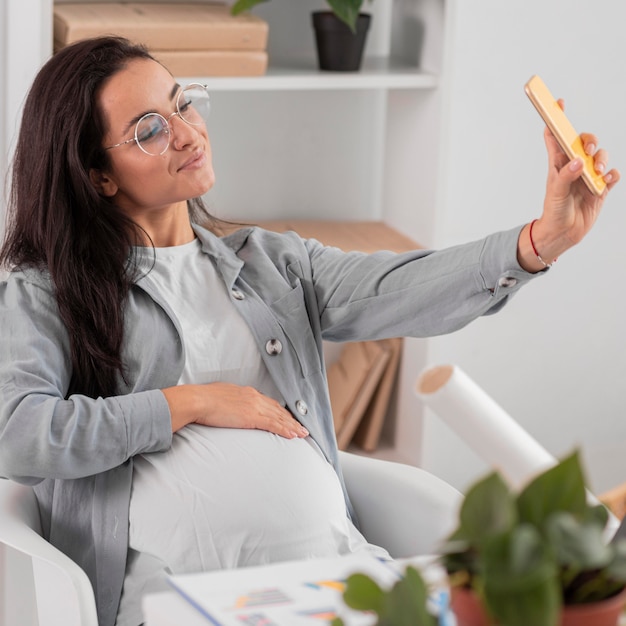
[{"x": 295, "y": 593}]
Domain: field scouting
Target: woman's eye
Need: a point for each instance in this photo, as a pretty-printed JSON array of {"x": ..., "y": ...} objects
[{"x": 149, "y": 132}]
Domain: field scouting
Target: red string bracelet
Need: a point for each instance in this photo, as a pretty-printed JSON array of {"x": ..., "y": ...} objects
[{"x": 532, "y": 243}]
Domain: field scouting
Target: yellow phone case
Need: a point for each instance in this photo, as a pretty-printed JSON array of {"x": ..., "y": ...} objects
[{"x": 563, "y": 131}]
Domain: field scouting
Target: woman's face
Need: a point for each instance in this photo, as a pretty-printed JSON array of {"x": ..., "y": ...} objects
[{"x": 137, "y": 182}]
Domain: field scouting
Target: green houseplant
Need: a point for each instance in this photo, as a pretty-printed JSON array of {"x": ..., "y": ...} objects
[
  {"x": 339, "y": 33},
  {"x": 528, "y": 557}
]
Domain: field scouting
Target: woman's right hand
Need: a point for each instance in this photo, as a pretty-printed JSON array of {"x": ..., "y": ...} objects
[{"x": 226, "y": 405}]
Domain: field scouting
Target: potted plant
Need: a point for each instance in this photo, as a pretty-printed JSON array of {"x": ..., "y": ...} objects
[
  {"x": 340, "y": 33},
  {"x": 538, "y": 557}
]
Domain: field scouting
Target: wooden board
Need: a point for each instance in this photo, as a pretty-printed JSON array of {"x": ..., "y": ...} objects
[
  {"x": 364, "y": 236},
  {"x": 213, "y": 62},
  {"x": 161, "y": 26}
]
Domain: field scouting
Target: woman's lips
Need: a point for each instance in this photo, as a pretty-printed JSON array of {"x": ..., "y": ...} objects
[{"x": 196, "y": 162}]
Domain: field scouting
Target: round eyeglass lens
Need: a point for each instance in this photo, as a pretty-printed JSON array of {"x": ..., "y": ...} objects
[
  {"x": 152, "y": 134},
  {"x": 194, "y": 104}
]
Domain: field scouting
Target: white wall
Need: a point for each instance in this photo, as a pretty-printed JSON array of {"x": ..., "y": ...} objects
[
  {"x": 554, "y": 358},
  {"x": 25, "y": 40}
]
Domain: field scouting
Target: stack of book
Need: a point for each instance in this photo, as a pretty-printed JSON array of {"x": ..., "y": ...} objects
[
  {"x": 197, "y": 39},
  {"x": 361, "y": 382}
]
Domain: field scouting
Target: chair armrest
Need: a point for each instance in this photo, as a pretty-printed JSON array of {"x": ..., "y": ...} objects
[
  {"x": 402, "y": 508},
  {"x": 62, "y": 589}
]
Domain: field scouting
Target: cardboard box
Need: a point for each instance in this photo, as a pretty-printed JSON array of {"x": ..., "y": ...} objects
[
  {"x": 171, "y": 26},
  {"x": 213, "y": 62}
]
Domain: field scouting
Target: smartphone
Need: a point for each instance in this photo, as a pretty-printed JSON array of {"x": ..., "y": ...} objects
[{"x": 563, "y": 131}]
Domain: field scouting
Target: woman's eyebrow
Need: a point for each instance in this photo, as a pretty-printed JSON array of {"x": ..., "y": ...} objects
[
  {"x": 174, "y": 91},
  {"x": 137, "y": 117}
]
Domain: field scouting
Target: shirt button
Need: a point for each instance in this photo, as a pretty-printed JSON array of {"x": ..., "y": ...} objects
[
  {"x": 237, "y": 294},
  {"x": 507, "y": 281},
  {"x": 273, "y": 347},
  {"x": 301, "y": 407}
]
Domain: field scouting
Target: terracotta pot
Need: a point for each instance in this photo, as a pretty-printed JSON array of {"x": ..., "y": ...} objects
[
  {"x": 603, "y": 613},
  {"x": 467, "y": 608},
  {"x": 470, "y": 612}
]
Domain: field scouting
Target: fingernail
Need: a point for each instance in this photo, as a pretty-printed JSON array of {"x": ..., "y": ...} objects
[
  {"x": 608, "y": 178},
  {"x": 576, "y": 164},
  {"x": 591, "y": 148},
  {"x": 600, "y": 167}
]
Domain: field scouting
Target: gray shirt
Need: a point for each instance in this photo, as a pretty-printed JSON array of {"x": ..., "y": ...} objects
[
  {"x": 222, "y": 498},
  {"x": 293, "y": 293}
]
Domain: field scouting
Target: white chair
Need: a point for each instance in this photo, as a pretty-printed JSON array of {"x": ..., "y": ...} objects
[
  {"x": 402, "y": 508},
  {"x": 40, "y": 585}
]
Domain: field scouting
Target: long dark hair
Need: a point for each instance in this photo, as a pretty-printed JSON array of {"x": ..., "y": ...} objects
[{"x": 58, "y": 222}]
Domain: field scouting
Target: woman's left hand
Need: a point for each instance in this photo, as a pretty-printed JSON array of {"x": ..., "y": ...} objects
[{"x": 570, "y": 209}]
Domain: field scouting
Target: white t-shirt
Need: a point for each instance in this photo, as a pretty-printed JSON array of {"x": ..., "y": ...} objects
[{"x": 219, "y": 497}]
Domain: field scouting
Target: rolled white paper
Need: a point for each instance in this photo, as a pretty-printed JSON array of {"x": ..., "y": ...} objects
[{"x": 486, "y": 427}]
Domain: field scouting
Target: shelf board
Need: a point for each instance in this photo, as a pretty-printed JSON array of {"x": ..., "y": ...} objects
[
  {"x": 376, "y": 73},
  {"x": 364, "y": 236}
]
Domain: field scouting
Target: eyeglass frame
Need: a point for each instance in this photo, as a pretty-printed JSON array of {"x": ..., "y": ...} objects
[{"x": 167, "y": 119}]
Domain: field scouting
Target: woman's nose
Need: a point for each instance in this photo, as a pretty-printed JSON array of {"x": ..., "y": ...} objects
[{"x": 182, "y": 133}]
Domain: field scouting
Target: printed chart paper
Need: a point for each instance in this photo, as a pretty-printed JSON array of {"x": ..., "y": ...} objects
[{"x": 297, "y": 593}]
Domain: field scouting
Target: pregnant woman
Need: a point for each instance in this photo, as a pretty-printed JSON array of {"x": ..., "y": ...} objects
[{"x": 162, "y": 386}]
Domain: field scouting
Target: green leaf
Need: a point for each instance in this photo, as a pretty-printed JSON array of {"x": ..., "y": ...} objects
[
  {"x": 597, "y": 514},
  {"x": 520, "y": 579},
  {"x": 578, "y": 544},
  {"x": 337, "y": 621},
  {"x": 617, "y": 567},
  {"x": 402, "y": 605},
  {"x": 363, "y": 594},
  {"x": 244, "y": 5},
  {"x": 561, "y": 488},
  {"x": 509, "y": 557},
  {"x": 347, "y": 11},
  {"x": 488, "y": 508},
  {"x": 406, "y": 602}
]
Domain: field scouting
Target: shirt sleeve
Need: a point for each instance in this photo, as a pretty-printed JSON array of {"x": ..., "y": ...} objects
[
  {"x": 420, "y": 293},
  {"x": 43, "y": 434}
]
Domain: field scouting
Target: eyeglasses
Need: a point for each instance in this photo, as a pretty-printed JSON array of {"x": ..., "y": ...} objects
[{"x": 152, "y": 131}]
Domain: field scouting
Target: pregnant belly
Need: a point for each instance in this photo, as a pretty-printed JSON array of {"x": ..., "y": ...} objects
[{"x": 229, "y": 497}]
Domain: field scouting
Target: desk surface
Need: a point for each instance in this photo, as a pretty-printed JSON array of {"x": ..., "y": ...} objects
[{"x": 170, "y": 609}]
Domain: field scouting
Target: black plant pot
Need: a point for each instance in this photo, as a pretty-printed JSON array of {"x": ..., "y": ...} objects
[{"x": 338, "y": 48}]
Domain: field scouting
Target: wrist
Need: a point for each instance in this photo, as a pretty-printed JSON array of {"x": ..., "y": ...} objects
[
  {"x": 182, "y": 404},
  {"x": 542, "y": 245},
  {"x": 537, "y": 249}
]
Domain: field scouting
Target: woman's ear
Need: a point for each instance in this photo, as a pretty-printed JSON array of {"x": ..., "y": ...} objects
[{"x": 102, "y": 183}]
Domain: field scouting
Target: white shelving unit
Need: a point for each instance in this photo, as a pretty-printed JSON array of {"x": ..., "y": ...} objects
[
  {"x": 299, "y": 143},
  {"x": 376, "y": 73}
]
